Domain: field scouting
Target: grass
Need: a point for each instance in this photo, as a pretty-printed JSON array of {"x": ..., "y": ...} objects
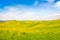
[{"x": 30, "y": 30}]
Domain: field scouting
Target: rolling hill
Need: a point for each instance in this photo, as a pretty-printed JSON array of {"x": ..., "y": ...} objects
[{"x": 30, "y": 30}]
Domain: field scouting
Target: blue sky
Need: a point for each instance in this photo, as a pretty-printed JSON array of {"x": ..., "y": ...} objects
[
  {"x": 21, "y": 2},
  {"x": 29, "y": 9}
]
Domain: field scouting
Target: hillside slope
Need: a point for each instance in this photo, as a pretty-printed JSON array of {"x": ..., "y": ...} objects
[
  {"x": 29, "y": 24},
  {"x": 30, "y": 30}
]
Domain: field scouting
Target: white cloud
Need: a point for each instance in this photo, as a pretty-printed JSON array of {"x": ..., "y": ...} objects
[
  {"x": 22, "y": 13},
  {"x": 17, "y": 13},
  {"x": 57, "y": 5},
  {"x": 51, "y": 1},
  {"x": 36, "y": 3},
  {"x": 53, "y": 16}
]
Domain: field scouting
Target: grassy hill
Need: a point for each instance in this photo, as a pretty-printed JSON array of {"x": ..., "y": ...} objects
[{"x": 30, "y": 30}]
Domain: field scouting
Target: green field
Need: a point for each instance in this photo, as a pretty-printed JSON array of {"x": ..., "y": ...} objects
[{"x": 30, "y": 30}]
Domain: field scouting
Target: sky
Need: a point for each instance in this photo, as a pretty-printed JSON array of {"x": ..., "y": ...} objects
[{"x": 29, "y": 9}]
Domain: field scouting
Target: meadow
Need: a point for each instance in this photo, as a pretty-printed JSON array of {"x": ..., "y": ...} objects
[{"x": 30, "y": 30}]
